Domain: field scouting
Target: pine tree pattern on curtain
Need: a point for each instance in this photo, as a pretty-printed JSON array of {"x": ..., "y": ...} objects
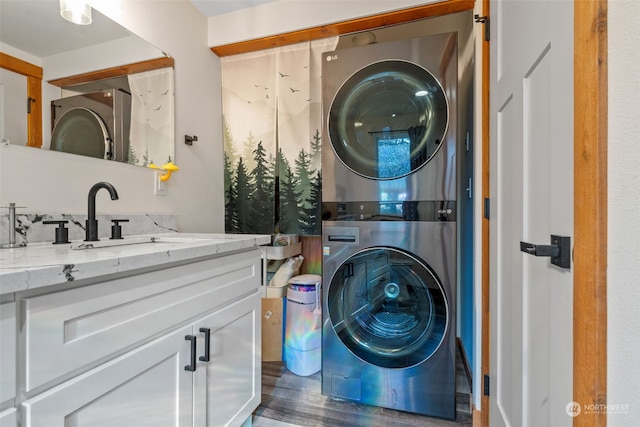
[{"x": 271, "y": 103}]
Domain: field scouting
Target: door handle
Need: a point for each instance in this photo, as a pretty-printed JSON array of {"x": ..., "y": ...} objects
[
  {"x": 559, "y": 250},
  {"x": 540, "y": 250},
  {"x": 192, "y": 366},
  {"x": 207, "y": 344}
]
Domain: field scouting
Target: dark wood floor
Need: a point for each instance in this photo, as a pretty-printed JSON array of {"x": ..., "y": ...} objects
[{"x": 297, "y": 400}]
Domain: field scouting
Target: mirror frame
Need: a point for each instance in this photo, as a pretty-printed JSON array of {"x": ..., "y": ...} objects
[{"x": 34, "y": 85}]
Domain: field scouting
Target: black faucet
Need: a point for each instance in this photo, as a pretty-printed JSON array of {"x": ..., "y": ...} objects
[{"x": 92, "y": 222}]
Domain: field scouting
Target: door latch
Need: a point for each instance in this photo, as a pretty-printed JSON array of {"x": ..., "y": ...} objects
[{"x": 559, "y": 250}]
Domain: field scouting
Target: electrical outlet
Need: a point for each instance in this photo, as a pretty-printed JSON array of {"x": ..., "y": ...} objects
[{"x": 159, "y": 187}]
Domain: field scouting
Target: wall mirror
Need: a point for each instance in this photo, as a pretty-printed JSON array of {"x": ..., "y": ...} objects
[{"x": 96, "y": 82}]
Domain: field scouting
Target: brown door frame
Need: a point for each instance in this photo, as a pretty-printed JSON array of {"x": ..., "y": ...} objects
[
  {"x": 590, "y": 181},
  {"x": 33, "y": 73},
  {"x": 590, "y": 209}
]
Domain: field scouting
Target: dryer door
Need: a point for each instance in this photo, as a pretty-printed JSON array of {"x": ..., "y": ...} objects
[
  {"x": 388, "y": 119},
  {"x": 388, "y": 307},
  {"x": 81, "y": 131}
]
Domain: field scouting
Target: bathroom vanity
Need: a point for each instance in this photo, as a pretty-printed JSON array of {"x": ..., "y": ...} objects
[{"x": 162, "y": 331}]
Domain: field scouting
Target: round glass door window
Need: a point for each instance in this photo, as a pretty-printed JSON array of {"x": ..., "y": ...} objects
[
  {"x": 388, "y": 308},
  {"x": 81, "y": 131},
  {"x": 388, "y": 119}
]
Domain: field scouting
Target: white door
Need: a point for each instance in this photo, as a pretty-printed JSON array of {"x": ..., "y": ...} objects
[{"x": 531, "y": 199}]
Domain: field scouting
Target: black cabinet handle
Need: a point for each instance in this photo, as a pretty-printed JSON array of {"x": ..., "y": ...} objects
[
  {"x": 192, "y": 366},
  {"x": 207, "y": 344}
]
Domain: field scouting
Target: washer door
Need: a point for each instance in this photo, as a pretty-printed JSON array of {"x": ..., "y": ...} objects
[
  {"x": 388, "y": 119},
  {"x": 81, "y": 131},
  {"x": 388, "y": 308}
]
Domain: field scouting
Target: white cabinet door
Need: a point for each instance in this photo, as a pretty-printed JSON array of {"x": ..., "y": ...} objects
[
  {"x": 147, "y": 386},
  {"x": 7, "y": 351},
  {"x": 229, "y": 384}
]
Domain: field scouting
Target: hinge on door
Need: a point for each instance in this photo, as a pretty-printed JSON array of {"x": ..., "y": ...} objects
[
  {"x": 486, "y": 385},
  {"x": 29, "y": 101},
  {"x": 487, "y": 207},
  {"x": 484, "y": 20}
]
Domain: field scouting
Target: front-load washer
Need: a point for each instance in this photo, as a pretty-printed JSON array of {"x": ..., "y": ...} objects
[
  {"x": 389, "y": 295},
  {"x": 94, "y": 124},
  {"x": 389, "y": 130}
]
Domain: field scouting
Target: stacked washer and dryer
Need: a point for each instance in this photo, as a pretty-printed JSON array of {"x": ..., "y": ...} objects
[{"x": 389, "y": 224}]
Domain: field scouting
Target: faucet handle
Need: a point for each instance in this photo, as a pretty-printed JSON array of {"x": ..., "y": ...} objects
[
  {"x": 62, "y": 233},
  {"x": 116, "y": 228}
]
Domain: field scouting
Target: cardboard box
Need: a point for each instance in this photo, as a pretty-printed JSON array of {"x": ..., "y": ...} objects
[{"x": 272, "y": 329}]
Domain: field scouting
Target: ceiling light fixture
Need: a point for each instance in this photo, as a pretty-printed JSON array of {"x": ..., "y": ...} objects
[{"x": 76, "y": 11}]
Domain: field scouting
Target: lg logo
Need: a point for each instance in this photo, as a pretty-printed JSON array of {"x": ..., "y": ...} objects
[{"x": 331, "y": 58}]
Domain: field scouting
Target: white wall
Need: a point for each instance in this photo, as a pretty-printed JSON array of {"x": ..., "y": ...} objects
[
  {"x": 49, "y": 182},
  {"x": 623, "y": 270}
]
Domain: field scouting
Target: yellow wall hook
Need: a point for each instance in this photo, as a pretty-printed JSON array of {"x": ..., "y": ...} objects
[{"x": 168, "y": 168}]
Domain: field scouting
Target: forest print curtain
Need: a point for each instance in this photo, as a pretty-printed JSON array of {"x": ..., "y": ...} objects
[{"x": 271, "y": 103}]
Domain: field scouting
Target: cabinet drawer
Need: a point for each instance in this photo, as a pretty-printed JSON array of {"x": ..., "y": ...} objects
[{"x": 70, "y": 330}]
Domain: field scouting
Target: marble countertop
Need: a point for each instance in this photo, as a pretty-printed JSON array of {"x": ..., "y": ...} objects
[{"x": 45, "y": 264}]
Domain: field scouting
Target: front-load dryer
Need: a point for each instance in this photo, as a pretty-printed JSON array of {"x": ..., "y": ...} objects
[
  {"x": 389, "y": 295},
  {"x": 389, "y": 130},
  {"x": 94, "y": 124}
]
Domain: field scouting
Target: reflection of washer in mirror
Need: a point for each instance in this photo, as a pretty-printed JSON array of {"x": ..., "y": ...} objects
[
  {"x": 81, "y": 131},
  {"x": 95, "y": 124}
]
